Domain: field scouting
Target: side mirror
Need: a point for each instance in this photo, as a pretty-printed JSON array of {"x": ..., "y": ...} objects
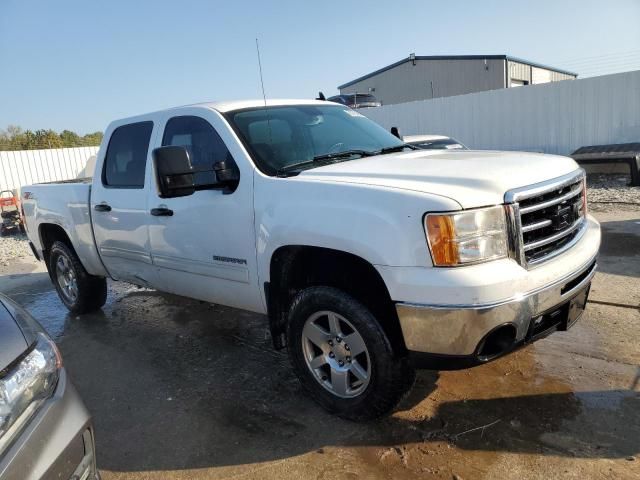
[{"x": 174, "y": 171}]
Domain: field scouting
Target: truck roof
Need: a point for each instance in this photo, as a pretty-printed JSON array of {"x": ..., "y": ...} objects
[
  {"x": 223, "y": 107},
  {"x": 227, "y": 106},
  {"x": 240, "y": 104}
]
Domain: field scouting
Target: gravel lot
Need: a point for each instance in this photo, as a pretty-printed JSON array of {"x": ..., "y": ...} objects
[
  {"x": 13, "y": 248},
  {"x": 603, "y": 188}
]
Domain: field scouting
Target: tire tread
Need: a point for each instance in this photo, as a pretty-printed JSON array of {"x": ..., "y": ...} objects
[
  {"x": 392, "y": 379},
  {"x": 92, "y": 290}
]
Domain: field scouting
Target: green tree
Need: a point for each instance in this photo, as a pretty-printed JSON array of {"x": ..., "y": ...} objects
[
  {"x": 94, "y": 138},
  {"x": 25, "y": 141},
  {"x": 47, "y": 139},
  {"x": 14, "y": 138},
  {"x": 69, "y": 138}
]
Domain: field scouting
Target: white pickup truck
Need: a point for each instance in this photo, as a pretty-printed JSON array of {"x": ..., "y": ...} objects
[{"x": 369, "y": 257}]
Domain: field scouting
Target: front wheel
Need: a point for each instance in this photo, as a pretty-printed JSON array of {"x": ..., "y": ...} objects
[
  {"x": 80, "y": 291},
  {"x": 342, "y": 356}
]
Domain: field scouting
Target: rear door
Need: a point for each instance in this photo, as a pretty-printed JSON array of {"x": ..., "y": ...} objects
[{"x": 119, "y": 204}]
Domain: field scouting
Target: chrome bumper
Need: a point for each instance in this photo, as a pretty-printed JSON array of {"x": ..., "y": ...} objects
[{"x": 458, "y": 330}]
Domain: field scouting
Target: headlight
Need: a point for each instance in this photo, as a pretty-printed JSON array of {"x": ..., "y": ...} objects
[
  {"x": 25, "y": 386},
  {"x": 467, "y": 237}
]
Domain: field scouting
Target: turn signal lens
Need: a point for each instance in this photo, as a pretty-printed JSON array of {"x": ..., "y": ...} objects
[
  {"x": 467, "y": 237},
  {"x": 441, "y": 231}
]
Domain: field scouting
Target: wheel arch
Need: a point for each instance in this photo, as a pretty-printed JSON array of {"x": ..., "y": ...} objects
[
  {"x": 49, "y": 233},
  {"x": 295, "y": 267}
]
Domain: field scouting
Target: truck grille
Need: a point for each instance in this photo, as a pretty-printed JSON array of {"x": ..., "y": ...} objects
[{"x": 549, "y": 217}]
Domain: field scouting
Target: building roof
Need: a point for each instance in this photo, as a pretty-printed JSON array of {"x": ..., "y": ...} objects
[{"x": 457, "y": 57}]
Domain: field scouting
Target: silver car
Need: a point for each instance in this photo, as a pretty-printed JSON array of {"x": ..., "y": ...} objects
[
  {"x": 45, "y": 429},
  {"x": 434, "y": 142}
]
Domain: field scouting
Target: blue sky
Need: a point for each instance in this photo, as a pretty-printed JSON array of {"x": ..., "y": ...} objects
[{"x": 78, "y": 64}]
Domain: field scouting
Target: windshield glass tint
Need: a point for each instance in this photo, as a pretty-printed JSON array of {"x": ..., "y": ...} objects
[{"x": 282, "y": 136}]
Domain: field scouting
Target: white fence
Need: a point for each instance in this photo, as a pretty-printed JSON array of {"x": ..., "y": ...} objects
[
  {"x": 25, "y": 167},
  {"x": 553, "y": 118}
]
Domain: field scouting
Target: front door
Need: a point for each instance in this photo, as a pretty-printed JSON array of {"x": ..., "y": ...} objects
[
  {"x": 204, "y": 244},
  {"x": 119, "y": 205}
]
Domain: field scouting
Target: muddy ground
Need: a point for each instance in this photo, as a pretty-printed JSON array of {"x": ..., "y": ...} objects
[{"x": 182, "y": 389}]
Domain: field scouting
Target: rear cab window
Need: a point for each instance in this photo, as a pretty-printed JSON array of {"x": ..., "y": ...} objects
[{"x": 126, "y": 157}]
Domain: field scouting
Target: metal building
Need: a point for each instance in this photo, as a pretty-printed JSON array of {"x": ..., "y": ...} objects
[{"x": 421, "y": 78}]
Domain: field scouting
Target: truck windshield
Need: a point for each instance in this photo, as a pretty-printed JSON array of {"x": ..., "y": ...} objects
[{"x": 297, "y": 137}]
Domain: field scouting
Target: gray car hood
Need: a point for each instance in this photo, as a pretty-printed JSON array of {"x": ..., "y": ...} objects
[{"x": 12, "y": 341}]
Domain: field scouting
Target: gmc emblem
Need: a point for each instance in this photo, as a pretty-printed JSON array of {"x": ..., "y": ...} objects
[{"x": 563, "y": 217}]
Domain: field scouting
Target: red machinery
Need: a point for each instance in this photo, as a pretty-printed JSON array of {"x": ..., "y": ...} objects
[{"x": 10, "y": 213}]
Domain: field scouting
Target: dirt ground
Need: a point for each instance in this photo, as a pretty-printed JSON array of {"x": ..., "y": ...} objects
[{"x": 182, "y": 389}]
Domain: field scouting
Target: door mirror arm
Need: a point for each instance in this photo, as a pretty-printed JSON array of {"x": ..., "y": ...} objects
[{"x": 227, "y": 175}]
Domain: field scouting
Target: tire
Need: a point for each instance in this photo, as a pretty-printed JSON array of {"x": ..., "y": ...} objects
[
  {"x": 377, "y": 379},
  {"x": 79, "y": 291}
]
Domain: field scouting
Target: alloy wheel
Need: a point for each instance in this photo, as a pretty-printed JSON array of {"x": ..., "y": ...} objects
[
  {"x": 67, "y": 280},
  {"x": 336, "y": 354}
]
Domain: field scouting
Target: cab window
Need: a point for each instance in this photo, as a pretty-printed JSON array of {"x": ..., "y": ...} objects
[
  {"x": 203, "y": 143},
  {"x": 126, "y": 157}
]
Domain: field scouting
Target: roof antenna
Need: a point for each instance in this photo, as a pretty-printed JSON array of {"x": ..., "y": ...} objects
[{"x": 264, "y": 96}]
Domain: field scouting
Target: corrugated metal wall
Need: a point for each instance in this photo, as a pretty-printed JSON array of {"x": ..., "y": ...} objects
[
  {"x": 553, "y": 118},
  {"x": 432, "y": 79},
  {"x": 534, "y": 75},
  {"x": 25, "y": 167},
  {"x": 519, "y": 71}
]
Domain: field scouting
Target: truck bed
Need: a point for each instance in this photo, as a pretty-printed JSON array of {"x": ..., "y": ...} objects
[
  {"x": 62, "y": 204},
  {"x": 72, "y": 180}
]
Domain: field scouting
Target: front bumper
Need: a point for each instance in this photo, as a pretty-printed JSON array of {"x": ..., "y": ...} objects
[
  {"x": 455, "y": 334},
  {"x": 56, "y": 443}
]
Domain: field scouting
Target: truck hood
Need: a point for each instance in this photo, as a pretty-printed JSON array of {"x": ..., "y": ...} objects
[{"x": 471, "y": 178}]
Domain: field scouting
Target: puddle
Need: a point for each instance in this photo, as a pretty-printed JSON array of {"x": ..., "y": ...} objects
[{"x": 47, "y": 309}]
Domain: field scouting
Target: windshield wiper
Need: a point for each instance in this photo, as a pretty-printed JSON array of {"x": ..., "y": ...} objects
[
  {"x": 326, "y": 156},
  {"x": 396, "y": 148},
  {"x": 346, "y": 153}
]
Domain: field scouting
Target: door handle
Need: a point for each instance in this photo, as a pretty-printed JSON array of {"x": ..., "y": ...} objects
[
  {"x": 162, "y": 212},
  {"x": 102, "y": 207}
]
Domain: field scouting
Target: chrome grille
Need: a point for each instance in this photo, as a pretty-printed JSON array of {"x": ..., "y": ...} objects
[{"x": 547, "y": 218}]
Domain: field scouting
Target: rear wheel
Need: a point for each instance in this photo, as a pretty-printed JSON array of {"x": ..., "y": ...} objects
[
  {"x": 78, "y": 290},
  {"x": 343, "y": 357}
]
